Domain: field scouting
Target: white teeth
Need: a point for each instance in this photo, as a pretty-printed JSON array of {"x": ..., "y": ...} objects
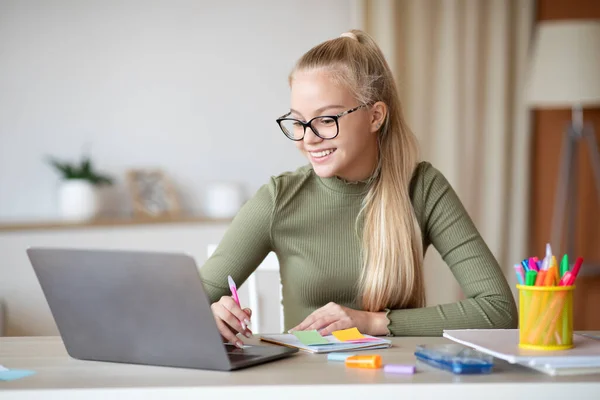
[{"x": 321, "y": 153}]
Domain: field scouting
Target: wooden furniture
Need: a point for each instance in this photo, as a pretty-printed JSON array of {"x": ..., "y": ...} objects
[
  {"x": 105, "y": 222},
  {"x": 548, "y": 132},
  {"x": 301, "y": 376}
]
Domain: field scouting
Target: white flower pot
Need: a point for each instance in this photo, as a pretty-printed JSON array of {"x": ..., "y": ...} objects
[
  {"x": 78, "y": 200},
  {"x": 223, "y": 200}
]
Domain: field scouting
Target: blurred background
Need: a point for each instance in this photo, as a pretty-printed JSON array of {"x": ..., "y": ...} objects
[{"x": 145, "y": 124}]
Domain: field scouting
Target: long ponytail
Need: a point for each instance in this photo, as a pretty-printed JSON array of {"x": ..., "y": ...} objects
[{"x": 392, "y": 246}]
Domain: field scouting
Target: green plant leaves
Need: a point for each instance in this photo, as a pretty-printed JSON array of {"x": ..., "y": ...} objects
[{"x": 83, "y": 170}]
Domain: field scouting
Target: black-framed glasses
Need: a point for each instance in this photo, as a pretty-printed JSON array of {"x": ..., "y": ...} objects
[{"x": 324, "y": 126}]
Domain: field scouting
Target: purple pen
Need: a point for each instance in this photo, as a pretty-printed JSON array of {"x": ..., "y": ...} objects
[
  {"x": 548, "y": 251},
  {"x": 545, "y": 263}
]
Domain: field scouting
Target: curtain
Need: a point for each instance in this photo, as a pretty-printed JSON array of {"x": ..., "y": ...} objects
[{"x": 460, "y": 66}]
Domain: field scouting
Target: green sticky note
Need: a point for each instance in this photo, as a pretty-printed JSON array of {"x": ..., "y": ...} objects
[{"x": 310, "y": 338}]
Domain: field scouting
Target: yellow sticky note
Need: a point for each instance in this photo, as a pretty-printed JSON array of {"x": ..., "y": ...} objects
[{"x": 348, "y": 334}]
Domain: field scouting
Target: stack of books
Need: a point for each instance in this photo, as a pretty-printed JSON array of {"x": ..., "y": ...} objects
[{"x": 583, "y": 358}]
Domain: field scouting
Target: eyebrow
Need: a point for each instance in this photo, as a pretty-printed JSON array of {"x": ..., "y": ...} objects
[{"x": 319, "y": 110}]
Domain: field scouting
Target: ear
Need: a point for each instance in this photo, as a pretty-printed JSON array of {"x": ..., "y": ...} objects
[{"x": 378, "y": 115}]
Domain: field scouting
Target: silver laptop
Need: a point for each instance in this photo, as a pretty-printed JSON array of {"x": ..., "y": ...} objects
[{"x": 137, "y": 307}]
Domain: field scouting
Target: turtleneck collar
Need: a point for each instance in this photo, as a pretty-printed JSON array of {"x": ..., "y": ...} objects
[{"x": 343, "y": 186}]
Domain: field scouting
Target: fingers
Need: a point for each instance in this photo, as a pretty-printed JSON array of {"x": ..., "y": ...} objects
[
  {"x": 228, "y": 334},
  {"x": 304, "y": 324},
  {"x": 336, "y": 326},
  {"x": 309, "y": 321},
  {"x": 241, "y": 315},
  {"x": 322, "y": 322},
  {"x": 230, "y": 318},
  {"x": 248, "y": 313},
  {"x": 326, "y": 320},
  {"x": 243, "y": 319}
]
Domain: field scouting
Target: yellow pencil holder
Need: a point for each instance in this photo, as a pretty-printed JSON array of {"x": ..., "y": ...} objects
[{"x": 545, "y": 317}]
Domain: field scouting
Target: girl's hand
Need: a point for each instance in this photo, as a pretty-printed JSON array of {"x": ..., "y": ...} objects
[
  {"x": 231, "y": 319},
  {"x": 333, "y": 317}
]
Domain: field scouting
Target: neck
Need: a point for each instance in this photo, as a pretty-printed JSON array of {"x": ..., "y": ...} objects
[
  {"x": 363, "y": 169},
  {"x": 358, "y": 178}
]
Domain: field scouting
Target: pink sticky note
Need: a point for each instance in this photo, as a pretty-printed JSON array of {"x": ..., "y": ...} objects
[{"x": 364, "y": 340}]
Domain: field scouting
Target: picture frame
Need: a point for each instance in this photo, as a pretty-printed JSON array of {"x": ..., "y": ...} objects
[{"x": 152, "y": 194}]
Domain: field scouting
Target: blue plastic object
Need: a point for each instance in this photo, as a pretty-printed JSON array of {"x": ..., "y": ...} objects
[{"x": 455, "y": 358}]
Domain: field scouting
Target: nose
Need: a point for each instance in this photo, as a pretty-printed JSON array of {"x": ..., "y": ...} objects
[{"x": 310, "y": 137}]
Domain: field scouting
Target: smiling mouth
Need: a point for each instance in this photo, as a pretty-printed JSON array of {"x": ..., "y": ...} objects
[{"x": 322, "y": 153}]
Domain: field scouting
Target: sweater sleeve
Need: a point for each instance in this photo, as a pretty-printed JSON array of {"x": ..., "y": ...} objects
[
  {"x": 243, "y": 247},
  {"x": 488, "y": 302}
]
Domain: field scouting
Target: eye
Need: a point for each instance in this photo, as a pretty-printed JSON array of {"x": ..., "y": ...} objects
[
  {"x": 296, "y": 124},
  {"x": 326, "y": 121}
]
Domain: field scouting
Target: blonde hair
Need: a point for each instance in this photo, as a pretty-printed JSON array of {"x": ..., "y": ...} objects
[{"x": 392, "y": 248}]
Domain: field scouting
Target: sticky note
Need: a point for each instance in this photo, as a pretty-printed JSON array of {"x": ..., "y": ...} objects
[
  {"x": 364, "y": 340},
  {"x": 310, "y": 338},
  {"x": 12, "y": 374},
  {"x": 348, "y": 334}
]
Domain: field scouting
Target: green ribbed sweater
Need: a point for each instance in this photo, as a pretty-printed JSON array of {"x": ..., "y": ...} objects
[{"x": 309, "y": 222}]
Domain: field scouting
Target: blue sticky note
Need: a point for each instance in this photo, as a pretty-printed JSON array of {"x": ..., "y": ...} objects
[{"x": 12, "y": 374}]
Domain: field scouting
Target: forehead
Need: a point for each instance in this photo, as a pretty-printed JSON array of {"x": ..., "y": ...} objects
[{"x": 313, "y": 89}]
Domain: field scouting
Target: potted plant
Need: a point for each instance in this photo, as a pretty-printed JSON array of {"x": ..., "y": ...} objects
[{"x": 77, "y": 195}]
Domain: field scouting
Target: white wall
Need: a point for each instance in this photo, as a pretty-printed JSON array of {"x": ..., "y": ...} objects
[{"x": 190, "y": 86}]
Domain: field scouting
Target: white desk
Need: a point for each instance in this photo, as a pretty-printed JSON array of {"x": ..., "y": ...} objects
[{"x": 303, "y": 376}]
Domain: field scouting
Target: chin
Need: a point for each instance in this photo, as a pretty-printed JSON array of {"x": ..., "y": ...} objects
[{"x": 324, "y": 171}]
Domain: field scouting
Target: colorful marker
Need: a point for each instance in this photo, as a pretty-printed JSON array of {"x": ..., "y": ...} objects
[
  {"x": 540, "y": 278},
  {"x": 532, "y": 264},
  {"x": 569, "y": 278},
  {"x": 399, "y": 369},
  {"x": 370, "y": 361},
  {"x": 564, "y": 265},
  {"x": 339, "y": 356},
  {"x": 530, "y": 278},
  {"x": 576, "y": 268},
  {"x": 520, "y": 274}
]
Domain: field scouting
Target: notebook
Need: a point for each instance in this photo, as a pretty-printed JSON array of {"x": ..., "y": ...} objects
[
  {"x": 565, "y": 369},
  {"x": 583, "y": 358},
  {"x": 334, "y": 344}
]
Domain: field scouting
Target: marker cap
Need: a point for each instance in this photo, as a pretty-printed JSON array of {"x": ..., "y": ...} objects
[
  {"x": 399, "y": 369},
  {"x": 370, "y": 361}
]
